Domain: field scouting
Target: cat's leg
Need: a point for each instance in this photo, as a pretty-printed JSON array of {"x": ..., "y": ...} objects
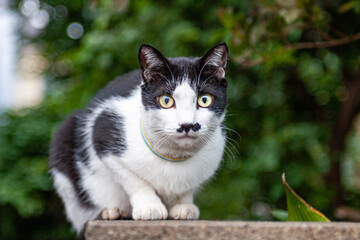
[
  {"x": 107, "y": 194},
  {"x": 146, "y": 205},
  {"x": 185, "y": 208}
]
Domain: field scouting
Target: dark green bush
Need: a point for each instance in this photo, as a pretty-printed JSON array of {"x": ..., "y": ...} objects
[{"x": 287, "y": 101}]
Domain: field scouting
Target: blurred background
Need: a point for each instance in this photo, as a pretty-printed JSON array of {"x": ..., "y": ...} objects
[{"x": 294, "y": 97}]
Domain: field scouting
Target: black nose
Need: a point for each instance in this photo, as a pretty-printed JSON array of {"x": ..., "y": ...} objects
[{"x": 187, "y": 127}]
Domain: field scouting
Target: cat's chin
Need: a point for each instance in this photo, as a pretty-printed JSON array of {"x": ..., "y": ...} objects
[{"x": 187, "y": 142}]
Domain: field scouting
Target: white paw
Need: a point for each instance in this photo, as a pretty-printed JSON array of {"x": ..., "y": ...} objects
[
  {"x": 184, "y": 211},
  {"x": 152, "y": 211},
  {"x": 114, "y": 213}
]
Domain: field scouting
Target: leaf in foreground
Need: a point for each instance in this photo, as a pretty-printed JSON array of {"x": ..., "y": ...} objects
[
  {"x": 298, "y": 209},
  {"x": 279, "y": 214}
]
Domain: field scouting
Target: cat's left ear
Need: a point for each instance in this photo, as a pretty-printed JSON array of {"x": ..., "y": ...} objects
[
  {"x": 216, "y": 59},
  {"x": 152, "y": 62}
]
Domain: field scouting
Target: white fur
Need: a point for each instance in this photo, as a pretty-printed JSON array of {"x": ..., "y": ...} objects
[
  {"x": 76, "y": 213},
  {"x": 139, "y": 183}
]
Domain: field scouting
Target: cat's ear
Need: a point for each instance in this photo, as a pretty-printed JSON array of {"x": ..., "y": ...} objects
[
  {"x": 152, "y": 62},
  {"x": 215, "y": 60}
]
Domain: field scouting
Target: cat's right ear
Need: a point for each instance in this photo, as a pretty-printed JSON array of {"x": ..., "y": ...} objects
[
  {"x": 152, "y": 62},
  {"x": 215, "y": 60}
]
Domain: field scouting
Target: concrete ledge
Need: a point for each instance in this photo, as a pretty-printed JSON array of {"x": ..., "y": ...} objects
[{"x": 244, "y": 230}]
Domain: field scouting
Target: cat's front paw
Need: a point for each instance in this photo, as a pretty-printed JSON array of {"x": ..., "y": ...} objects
[
  {"x": 154, "y": 211},
  {"x": 184, "y": 212},
  {"x": 114, "y": 213}
]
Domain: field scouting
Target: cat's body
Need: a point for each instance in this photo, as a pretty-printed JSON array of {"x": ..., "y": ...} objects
[{"x": 129, "y": 154}]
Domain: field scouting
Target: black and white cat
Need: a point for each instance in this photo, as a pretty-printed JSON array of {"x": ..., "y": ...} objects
[{"x": 146, "y": 142}]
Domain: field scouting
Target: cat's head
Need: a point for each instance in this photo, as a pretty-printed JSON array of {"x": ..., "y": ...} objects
[{"x": 184, "y": 98}]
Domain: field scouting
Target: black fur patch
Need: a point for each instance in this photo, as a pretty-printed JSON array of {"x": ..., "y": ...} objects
[
  {"x": 81, "y": 152},
  {"x": 108, "y": 135},
  {"x": 62, "y": 155},
  {"x": 121, "y": 86}
]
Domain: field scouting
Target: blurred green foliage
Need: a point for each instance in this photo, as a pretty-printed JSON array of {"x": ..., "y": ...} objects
[{"x": 285, "y": 94}]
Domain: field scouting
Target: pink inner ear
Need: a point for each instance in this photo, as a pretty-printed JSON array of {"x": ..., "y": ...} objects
[
  {"x": 221, "y": 72},
  {"x": 217, "y": 57},
  {"x": 147, "y": 74}
]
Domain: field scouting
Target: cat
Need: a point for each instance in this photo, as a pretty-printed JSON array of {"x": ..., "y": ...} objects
[{"x": 146, "y": 142}]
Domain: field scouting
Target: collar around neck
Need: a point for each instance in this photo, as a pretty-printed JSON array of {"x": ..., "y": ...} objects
[{"x": 157, "y": 153}]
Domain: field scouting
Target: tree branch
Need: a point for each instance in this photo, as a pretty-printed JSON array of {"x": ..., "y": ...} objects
[
  {"x": 324, "y": 44},
  {"x": 297, "y": 46}
]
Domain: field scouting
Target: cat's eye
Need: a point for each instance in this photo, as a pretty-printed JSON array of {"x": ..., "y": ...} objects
[
  {"x": 166, "y": 101},
  {"x": 205, "y": 100}
]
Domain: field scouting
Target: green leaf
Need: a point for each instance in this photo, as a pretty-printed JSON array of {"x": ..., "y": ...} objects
[
  {"x": 280, "y": 214},
  {"x": 298, "y": 209},
  {"x": 349, "y": 6}
]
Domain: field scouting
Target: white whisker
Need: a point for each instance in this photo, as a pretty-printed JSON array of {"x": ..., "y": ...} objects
[
  {"x": 210, "y": 77},
  {"x": 232, "y": 130},
  {"x": 167, "y": 80},
  {"x": 168, "y": 67},
  {"x": 198, "y": 80}
]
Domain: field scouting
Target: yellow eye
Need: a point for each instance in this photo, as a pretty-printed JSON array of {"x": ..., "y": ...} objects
[
  {"x": 166, "y": 101},
  {"x": 205, "y": 100}
]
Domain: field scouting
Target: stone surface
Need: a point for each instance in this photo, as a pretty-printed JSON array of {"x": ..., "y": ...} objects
[{"x": 218, "y": 230}]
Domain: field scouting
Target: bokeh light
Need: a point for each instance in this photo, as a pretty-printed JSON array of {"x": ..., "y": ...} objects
[
  {"x": 39, "y": 19},
  {"x": 75, "y": 30},
  {"x": 29, "y": 7},
  {"x": 61, "y": 12}
]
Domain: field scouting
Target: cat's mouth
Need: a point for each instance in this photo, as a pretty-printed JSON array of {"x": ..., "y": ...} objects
[{"x": 186, "y": 136}]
